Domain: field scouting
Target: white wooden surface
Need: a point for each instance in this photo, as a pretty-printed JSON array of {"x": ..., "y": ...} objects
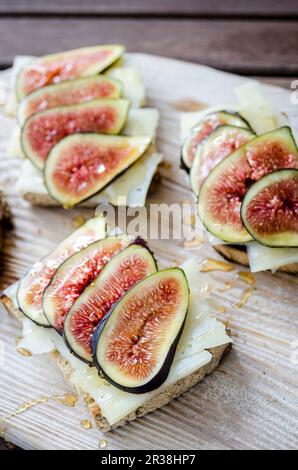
[{"x": 250, "y": 401}]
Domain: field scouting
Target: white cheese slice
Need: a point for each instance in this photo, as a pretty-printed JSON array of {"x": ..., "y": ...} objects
[
  {"x": 262, "y": 257},
  {"x": 201, "y": 332},
  {"x": 259, "y": 112},
  {"x": 132, "y": 84}
]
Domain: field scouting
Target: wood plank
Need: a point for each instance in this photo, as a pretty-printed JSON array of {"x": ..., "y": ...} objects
[
  {"x": 250, "y": 401},
  {"x": 284, "y": 82},
  {"x": 199, "y": 8},
  {"x": 262, "y": 47}
]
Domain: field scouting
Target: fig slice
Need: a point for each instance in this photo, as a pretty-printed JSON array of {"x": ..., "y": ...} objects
[
  {"x": 270, "y": 209},
  {"x": 32, "y": 286},
  {"x": 75, "y": 274},
  {"x": 135, "y": 344},
  {"x": 56, "y": 68},
  {"x": 203, "y": 128},
  {"x": 223, "y": 141},
  {"x": 83, "y": 164},
  {"x": 68, "y": 93},
  {"x": 42, "y": 131},
  {"x": 223, "y": 190},
  {"x": 123, "y": 271}
]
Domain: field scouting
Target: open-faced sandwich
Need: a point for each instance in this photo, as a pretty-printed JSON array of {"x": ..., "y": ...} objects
[
  {"x": 243, "y": 167},
  {"x": 129, "y": 336},
  {"x": 81, "y": 129}
]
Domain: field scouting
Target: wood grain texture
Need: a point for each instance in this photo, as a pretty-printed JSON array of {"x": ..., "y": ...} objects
[
  {"x": 250, "y": 401},
  {"x": 154, "y": 7},
  {"x": 254, "y": 47}
]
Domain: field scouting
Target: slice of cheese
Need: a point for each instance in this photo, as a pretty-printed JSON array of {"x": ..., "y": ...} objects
[
  {"x": 132, "y": 85},
  {"x": 259, "y": 112},
  {"x": 262, "y": 257},
  {"x": 200, "y": 333}
]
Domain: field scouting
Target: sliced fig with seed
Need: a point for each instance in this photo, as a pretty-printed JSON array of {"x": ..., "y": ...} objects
[
  {"x": 42, "y": 131},
  {"x": 134, "y": 346},
  {"x": 84, "y": 164},
  {"x": 223, "y": 141},
  {"x": 270, "y": 209},
  {"x": 56, "y": 68},
  {"x": 68, "y": 93},
  {"x": 122, "y": 272},
  {"x": 75, "y": 274},
  {"x": 201, "y": 130},
  {"x": 223, "y": 190},
  {"x": 32, "y": 286}
]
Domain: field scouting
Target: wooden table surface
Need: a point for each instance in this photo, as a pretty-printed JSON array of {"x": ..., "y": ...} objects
[{"x": 255, "y": 38}]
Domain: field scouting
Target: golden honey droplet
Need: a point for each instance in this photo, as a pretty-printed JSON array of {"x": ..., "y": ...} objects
[
  {"x": 166, "y": 165},
  {"x": 228, "y": 285},
  {"x": 244, "y": 298},
  {"x": 194, "y": 243},
  {"x": 246, "y": 276},
  {"x": 78, "y": 220},
  {"x": 24, "y": 352},
  {"x": 211, "y": 264},
  {"x": 18, "y": 340},
  {"x": 102, "y": 443},
  {"x": 68, "y": 399},
  {"x": 221, "y": 310},
  {"x": 85, "y": 423}
]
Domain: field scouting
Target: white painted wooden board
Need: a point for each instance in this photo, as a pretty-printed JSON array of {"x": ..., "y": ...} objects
[{"x": 250, "y": 401}]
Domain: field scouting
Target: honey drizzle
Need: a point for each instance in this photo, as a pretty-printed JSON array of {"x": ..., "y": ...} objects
[
  {"x": 86, "y": 424},
  {"x": 102, "y": 443},
  {"x": 78, "y": 221},
  {"x": 194, "y": 243},
  {"x": 228, "y": 285},
  {"x": 67, "y": 399},
  {"x": 221, "y": 310},
  {"x": 210, "y": 264},
  {"x": 245, "y": 297},
  {"x": 247, "y": 277},
  {"x": 24, "y": 352}
]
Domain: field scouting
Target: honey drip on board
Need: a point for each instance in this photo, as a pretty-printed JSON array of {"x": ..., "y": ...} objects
[
  {"x": 228, "y": 285},
  {"x": 210, "y": 264},
  {"x": 86, "y": 424},
  {"x": 102, "y": 443},
  {"x": 194, "y": 243},
  {"x": 78, "y": 221},
  {"x": 24, "y": 352},
  {"x": 245, "y": 297},
  {"x": 247, "y": 277},
  {"x": 67, "y": 399},
  {"x": 221, "y": 310}
]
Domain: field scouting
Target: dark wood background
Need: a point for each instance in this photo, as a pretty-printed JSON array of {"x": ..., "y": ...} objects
[{"x": 251, "y": 37}]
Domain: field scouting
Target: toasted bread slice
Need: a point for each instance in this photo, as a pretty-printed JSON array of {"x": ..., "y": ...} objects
[
  {"x": 233, "y": 253},
  {"x": 156, "y": 402}
]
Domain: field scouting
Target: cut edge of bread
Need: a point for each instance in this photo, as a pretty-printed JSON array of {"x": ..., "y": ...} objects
[
  {"x": 236, "y": 255},
  {"x": 158, "y": 401}
]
